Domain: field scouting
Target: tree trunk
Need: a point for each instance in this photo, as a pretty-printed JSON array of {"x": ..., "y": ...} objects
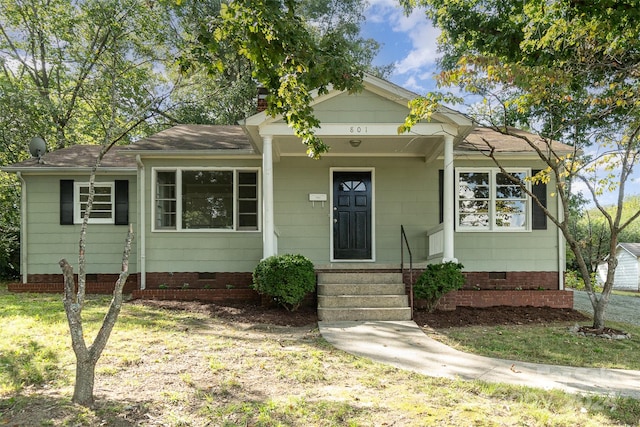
[
  {"x": 85, "y": 377},
  {"x": 599, "y": 311},
  {"x": 87, "y": 357}
]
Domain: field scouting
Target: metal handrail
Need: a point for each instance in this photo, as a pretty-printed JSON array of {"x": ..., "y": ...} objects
[{"x": 404, "y": 241}]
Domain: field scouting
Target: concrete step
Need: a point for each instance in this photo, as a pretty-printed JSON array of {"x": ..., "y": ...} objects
[
  {"x": 359, "y": 301},
  {"x": 363, "y": 314},
  {"x": 360, "y": 296},
  {"x": 358, "y": 278},
  {"x": 361, "y": 289}
]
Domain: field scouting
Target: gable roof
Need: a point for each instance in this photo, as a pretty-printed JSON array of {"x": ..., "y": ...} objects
[{"x": 632, "y": 248}]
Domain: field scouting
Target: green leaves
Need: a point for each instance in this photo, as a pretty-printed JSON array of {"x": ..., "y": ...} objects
[
  {"x": 286, "y": 278},
  {"x": 288, "y": 57},
  {"x": 571, "y": 68},
  {"x": 437, "y": 280},
  {"x": 423, "y": 107}
]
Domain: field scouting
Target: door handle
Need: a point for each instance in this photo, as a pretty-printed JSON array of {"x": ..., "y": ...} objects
[{"x": 335, "y": 220}]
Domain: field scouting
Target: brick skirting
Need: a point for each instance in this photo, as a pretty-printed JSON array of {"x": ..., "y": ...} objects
[
  {"x": 482, "y": 289},
  {"x": 543, "y": 298},
  {"x": 204, "y": 295},
  {"x": 58, "y": 288}
]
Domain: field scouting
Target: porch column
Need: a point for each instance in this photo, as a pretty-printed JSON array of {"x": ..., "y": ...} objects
[
  {"x": 448, "y": 201},
  {"x": 268, "y": 226}
]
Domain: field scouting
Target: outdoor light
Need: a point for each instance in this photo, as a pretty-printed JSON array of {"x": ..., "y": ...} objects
[{"x": 355, "y": 142}]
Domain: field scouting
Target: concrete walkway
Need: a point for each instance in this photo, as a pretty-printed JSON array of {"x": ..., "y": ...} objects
[{"x": 406, "y": 346}]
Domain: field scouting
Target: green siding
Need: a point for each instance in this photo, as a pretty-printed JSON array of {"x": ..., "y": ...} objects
[
  {"x": 48, "y": 241},
  {"x": 406, "y": 192},
  {"x": 509, "y": 251},
  {"x": 353, "y": 108},
  {"x": 205, "y": 251}
]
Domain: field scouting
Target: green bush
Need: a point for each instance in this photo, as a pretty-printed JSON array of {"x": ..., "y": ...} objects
[
  {"x": 573, "y": 280},
  {"x": 437, "y": 280},
  {"x": 285, "y": 278}
]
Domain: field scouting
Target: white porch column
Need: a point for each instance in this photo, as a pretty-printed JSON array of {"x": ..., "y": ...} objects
[
  {"x": 448, "y": 201},
  {"x": 268, "y": 224}
]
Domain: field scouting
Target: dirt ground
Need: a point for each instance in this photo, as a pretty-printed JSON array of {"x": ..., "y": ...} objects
[
  {"x": 462, "y": 316},
  {"x": 197, "y": 371}
]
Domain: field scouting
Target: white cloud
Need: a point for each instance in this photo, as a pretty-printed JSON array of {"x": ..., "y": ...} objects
[
  {"x": 424, "y": 45},
  {"x": 415, "y": 63}
]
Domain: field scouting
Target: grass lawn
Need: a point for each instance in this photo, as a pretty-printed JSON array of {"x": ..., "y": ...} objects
[
  {"x": 627, "y": 293},
  {"x": 552, "y": 344},
  {"x": 174, "y": 368}
]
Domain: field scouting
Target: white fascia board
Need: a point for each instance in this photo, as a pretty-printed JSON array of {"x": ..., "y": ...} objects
[
  {"x": 364, "y": 129},
  {"x": 70, "y": 171}
]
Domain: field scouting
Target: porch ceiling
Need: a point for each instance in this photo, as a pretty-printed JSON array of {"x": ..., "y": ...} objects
[{"x": 346, "y": 146}]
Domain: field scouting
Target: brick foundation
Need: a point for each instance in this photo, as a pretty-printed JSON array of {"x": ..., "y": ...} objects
[
  {"x": 524, "y": 298},
  {"x": 503, "y": 280},
  {"x": 191, "y": 280},
  {"x": 54, "y": 283},
  {"x": 482, "y": 289},
  {"x": 218, "y": 287},
  {"x": 204, "y": 295},
  {"x": 515, "y": 280}
]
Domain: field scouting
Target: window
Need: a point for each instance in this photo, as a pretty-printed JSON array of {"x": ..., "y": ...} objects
[
  {"x": 102, "y": 207},
  {"x": 209, "y": 199},
  {"x": 488, "y": 200}
]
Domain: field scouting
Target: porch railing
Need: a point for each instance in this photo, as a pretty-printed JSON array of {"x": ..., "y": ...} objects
[
  {"x": 405, "y": 242},
  {"x": 436, "y": 241}
]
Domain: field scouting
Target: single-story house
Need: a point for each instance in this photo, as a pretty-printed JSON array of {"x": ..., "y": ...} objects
[
  {"x": 207, "y": 203},
  {"x": 627, "y": 275}
]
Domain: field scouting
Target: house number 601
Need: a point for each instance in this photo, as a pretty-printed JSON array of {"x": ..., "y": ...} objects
[{"x": 358, "y": 129}]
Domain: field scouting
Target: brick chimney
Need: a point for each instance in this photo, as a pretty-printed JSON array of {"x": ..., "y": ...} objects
[{"x": 262, "y": 99}]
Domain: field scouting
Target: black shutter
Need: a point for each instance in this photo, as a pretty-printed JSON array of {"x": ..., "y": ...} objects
[
  {"x": 441, "y": 194},
  {"x": 66, "y": 202},
  {"x": 540, "y": 191},
  {"x": 122, "y": 202}
]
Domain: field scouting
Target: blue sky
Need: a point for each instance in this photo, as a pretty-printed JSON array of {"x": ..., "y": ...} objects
[{"x": 409, "y": 42}]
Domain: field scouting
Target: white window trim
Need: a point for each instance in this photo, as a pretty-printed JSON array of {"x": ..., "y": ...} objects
[
  {"x": 179, "y": 229},
  {"x": 492, "y": 228},
  {"x": 78, "y": 214}
]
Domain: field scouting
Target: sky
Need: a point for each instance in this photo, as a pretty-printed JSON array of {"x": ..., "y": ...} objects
[{"x": 408, "y": 42}]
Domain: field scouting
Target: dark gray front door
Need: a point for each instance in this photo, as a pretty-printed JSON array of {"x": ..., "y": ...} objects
[{"x": 352, "y": 215}]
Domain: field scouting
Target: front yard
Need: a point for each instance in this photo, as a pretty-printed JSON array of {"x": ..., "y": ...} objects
[{"x": 186, "y": 368}]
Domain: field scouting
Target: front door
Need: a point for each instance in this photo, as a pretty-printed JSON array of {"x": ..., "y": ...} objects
[{"x": 352, "y": 215}]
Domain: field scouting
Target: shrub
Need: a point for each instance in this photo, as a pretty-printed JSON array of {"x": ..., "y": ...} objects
[
  {"x": 285, "y": 278},
  {"x": 573, "y": 280},
  {"x": 437, "y": 280}
]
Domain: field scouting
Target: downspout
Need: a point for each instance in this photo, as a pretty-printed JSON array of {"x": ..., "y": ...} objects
[
  {"x": 143, "y": 226},
  {"x": 23, "y": 228}
]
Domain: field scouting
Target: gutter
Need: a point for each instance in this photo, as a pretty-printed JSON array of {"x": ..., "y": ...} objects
[
  {"x": 142, "y": 224},
  {"x": 23, "y": 228},
  {"x": 68, "y": 170},
  {"x": 230, "y": 153}
]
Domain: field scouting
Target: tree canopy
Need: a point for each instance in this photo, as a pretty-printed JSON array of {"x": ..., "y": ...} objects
[
  {"x": 100, "y": 72},
  {"x": 289, "y": 56},
  {"x": 568, "y": 70}
]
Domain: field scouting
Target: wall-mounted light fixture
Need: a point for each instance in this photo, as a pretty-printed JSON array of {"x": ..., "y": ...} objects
[{"x": 355, "y": 142}]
